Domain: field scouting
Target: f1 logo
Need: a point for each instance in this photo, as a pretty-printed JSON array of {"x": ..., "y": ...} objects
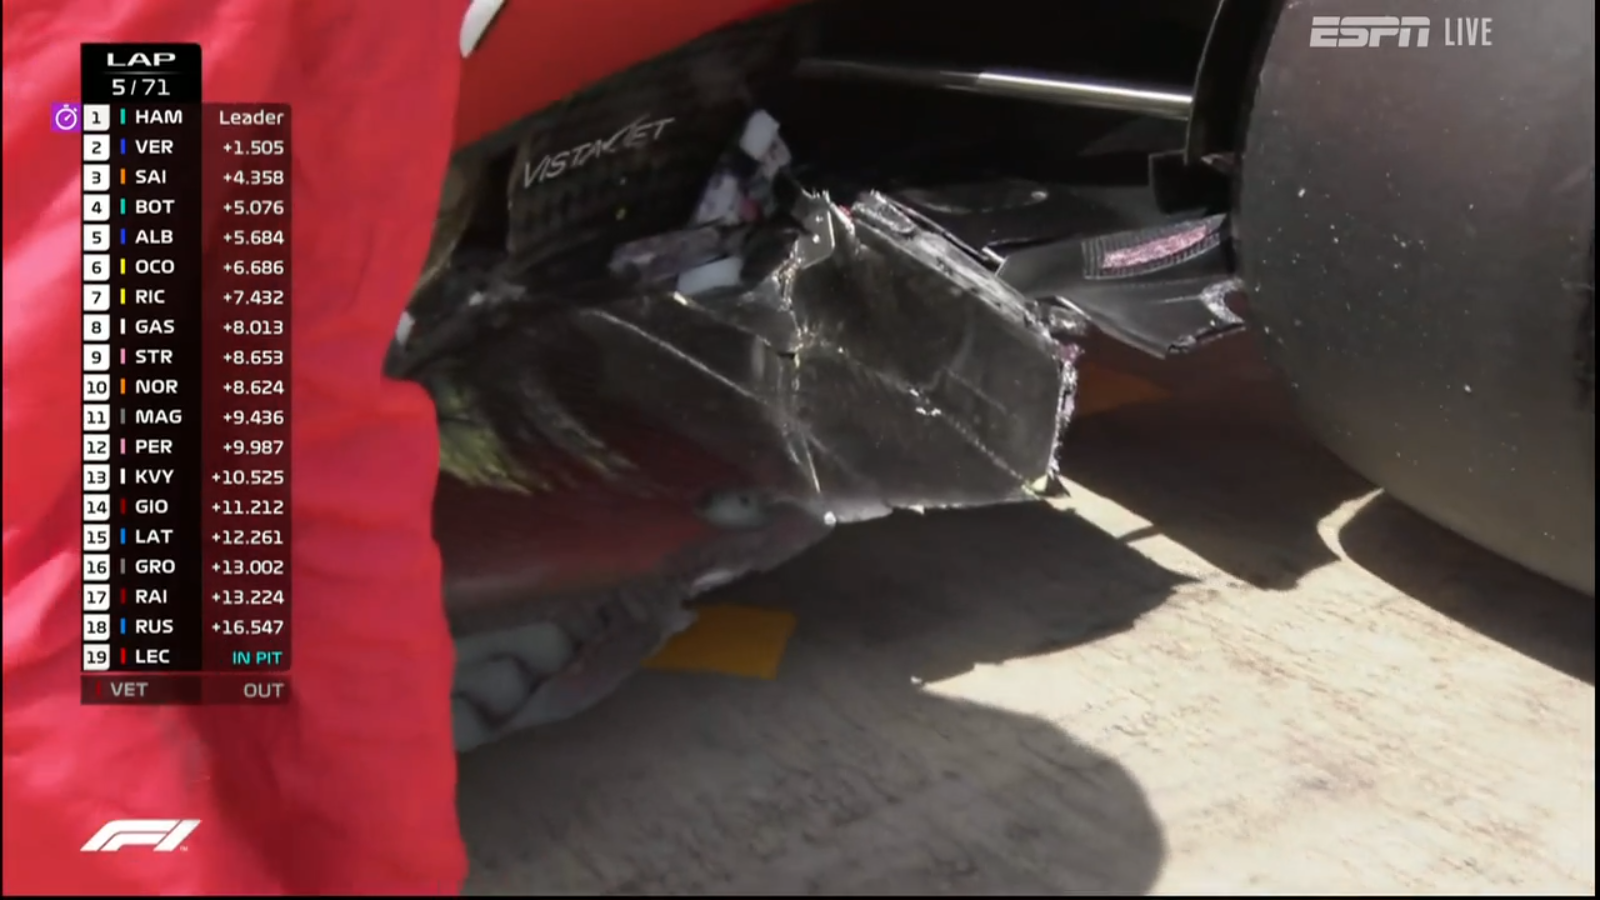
[{"x": 161, "y": 835}]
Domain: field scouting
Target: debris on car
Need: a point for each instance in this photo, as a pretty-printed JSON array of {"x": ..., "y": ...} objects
[
  {"x": 778, "y": 364},
  {"x": 850, "y": 358}
]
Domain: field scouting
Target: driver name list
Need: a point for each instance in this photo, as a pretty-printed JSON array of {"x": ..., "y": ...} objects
[{"x": 186, "y": 385}]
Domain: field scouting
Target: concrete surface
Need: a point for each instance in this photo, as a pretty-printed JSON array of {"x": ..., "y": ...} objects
[{"x": 1226, "y": 666}]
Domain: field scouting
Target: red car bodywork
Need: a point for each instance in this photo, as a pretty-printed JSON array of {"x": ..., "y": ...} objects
[
  {"x": 537, "y": 52},
  {"x": 350, "y": 787}
]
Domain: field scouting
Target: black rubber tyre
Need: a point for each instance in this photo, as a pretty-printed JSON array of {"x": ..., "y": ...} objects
[{"x": 1416, "y": 228}]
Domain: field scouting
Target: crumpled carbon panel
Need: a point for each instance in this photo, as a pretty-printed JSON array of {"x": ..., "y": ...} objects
[
  {"x": 613, "y": 446},
  {"x": 866, "y": 364}
]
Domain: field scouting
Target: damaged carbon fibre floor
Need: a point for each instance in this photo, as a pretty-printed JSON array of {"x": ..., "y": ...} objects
[{"x": 1223, "y": 666}]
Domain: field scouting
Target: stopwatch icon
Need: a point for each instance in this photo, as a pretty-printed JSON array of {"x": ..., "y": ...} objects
[{"x": 66, "y": 117}]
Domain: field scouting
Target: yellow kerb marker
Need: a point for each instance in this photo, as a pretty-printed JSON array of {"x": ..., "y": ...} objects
[{"x": 726, "y": 639}]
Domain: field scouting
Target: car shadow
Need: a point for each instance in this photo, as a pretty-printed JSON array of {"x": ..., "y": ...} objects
[
  {"x": 971, "y": 587},
  {"x": 1499, "y": 599},
  {"x": 847, "y": 774},
  {"x": 1221, "y": 466}
]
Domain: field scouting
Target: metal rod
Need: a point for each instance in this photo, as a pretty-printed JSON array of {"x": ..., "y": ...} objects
[{"x": 1017, "y": 85}]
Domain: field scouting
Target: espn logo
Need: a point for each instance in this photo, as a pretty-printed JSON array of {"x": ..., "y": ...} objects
[
  {"x": 161, "y": 835},
  {"x": 1369, "y": 31}
]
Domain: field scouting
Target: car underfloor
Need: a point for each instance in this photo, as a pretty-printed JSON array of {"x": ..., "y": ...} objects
[{"x": 891, "y": 334}]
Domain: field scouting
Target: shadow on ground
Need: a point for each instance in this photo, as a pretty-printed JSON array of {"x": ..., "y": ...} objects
[
  {"x": 1505, "y": 602},
  {"x": 1222, "y": 469},
  {"x": 844, "y": 776},
  {"x": 949, "y": 591}
]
